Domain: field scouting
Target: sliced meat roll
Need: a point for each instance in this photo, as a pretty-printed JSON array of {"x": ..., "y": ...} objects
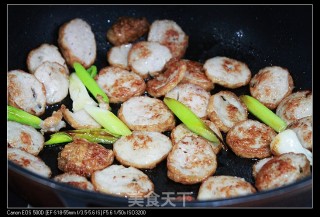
[
  {"x": 118, "y": 56},
  {"x": 165, "y": 82},
  {"x": 282, "y": 170},
  {"x": 77, "y": 43},
  {"x": 127, "y": 29},
  {"x": 193, "y": 96},
  {"x": 75, "y": 181},
  {"x": 79, "y": 119},
  {"x": 83, "y": 157},
  {"x": 191, "y": 160},
  {"x": 24, "y": 137},
  {"x": 26, "y": 92},
  {"x": 225, "y": 109},
  {"x": 170, "y": 34},
  {"x": 28, "y": 161},
  {"x": 219, "y": 187},
  {"x": 227, "y": 72},
  {"x": 181, "y": 131},
  {"x": 121, "y": 181},
  {"x": 45, "y": 53},
  {"x": 143, "y": 150},
  {"x": 250, "y": 139},
  {"x": 258, "y": 165},
  {"x": 146, "y": 114},
  {"x": 120, "y": 84},
  {"x": 148, "y": 58},
  {"x": 295, "y": 106},
  {"x": 303, "y": 128},
  {"x": 270, "y": 85},
  {"x": 55, "y": 79},
  {"x": 195, "y": 75}
]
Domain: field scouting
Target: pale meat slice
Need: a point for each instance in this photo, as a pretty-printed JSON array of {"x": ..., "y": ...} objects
[
  {"x": 118, "y": 56},
  {"x": 53, "y": 123},
  {"x": 121, "y": 181},
  {"x": 148, "y": 58},
  {"x": 26, "y": 92},
  {"x": 270, "y": 85},
  {"x": 227, "y": 72},
  {"x": 127, "y": 29},
  {"x": 191, "y": 160},
  {"x": 120, "y": 84},
  {"x": 250, "y": 139},
  {"x": 195, "y": 75},
  {"x": 303, "y": 128},
  {"x": 75, "y": 180},
  {"x": 45, "y": 53},
  {"x": 258, "y": 165},
  {"x": 143, "y": 113},
  {"x": 181, "y": 131},
  {"x": 143, "y": 150},
  {"x": 28, "y": 162},
  {"x": 77, "y": 42},
  {"x": 24, "y": 137},
  {"x": 165, "y": 82},
  {"x": 193, "y": 96},
  {"x": 83, "y": 157},
  {"x": 282, "y": 170},
  {"x": 170, "y": 34},
  {"x": 222, "y": 187},
  {"x": 225, "y": 109},
  {"x": 295, "y": 106},
  {"x": 55, "y": 79},
  {"x": 79, "y": 119}
]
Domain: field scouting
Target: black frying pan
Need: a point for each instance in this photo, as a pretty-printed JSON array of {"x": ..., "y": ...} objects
[{"x": 257, "y": 35}]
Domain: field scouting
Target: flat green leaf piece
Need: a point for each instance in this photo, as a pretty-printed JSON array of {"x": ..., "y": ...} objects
[
  {"x": 92, "y": 71},
  {"x": 192, "y": 121},
  {"x": 20, "y": 116},
  {"x": 108, "y": 120},
  {"x": 90, "y": 83},
  {"x": 263, "y": 113}
]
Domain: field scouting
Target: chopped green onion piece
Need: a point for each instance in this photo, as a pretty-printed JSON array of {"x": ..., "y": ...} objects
[
  {"x": 192, "y": 121},
  {"x": 263, "y": 113},
  {"x": 57, "y": 138},
  {"x": 92, "y": 71},
  {"x": 18, "y": 115},
  {"x": 96, "y": 139},
  {"x": 108, "y": 120},
  {"x": 97, "y": 131},
  {"x": 90, "y": 83}
]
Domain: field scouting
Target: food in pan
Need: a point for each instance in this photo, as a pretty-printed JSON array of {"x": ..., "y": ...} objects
[{"x": 153, "y": 83}]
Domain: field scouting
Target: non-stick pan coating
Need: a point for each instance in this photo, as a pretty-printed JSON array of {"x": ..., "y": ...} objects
[{"x": 257, "y": 35}]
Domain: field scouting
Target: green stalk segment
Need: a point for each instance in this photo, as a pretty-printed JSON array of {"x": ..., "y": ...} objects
[
  {"x": 57, "y": 138},
  {"x": 108, "y": 120},
  {"x": 92, "y": 71},
  {"x": 89, "y": 82},
  {"x": 20, "y": 116},
  {"x": 193, "y": 122},
  {"x": 263, "y": 113},
  {"x": 95, "y": 138}
]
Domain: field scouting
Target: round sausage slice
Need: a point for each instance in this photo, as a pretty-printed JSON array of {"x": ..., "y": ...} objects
[
  {"x": 143, "y": 150},
  {"x": 250, "y": 139},
  {"x": 74, "y": 180},
  {"x": 219, "y": 187},
  {"x": 118, "y": 56},
  {"x": 303, "y": 128},
  {"x": 295, "y": 106},
  {"x": 24, "y": 137},
  {"x": 227, "y": 72},
  {"x": 146, "y": 114},
  {"x": 26, "y": 92},
  {"x": 191, "y": 160},
  {"x": 120, "y": 84},
  {"x": 270, "y": 85},
  {"x": 121, "y": 181}
]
